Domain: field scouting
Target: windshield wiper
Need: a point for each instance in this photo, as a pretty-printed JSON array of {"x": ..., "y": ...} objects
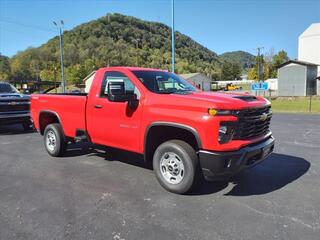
[
  {"x": 176, "y": 91},
  {"x": 167, "y": 92},
  {"x": 184, "y": 91}
]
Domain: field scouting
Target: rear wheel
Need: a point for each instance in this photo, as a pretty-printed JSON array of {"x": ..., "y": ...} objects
[
  {"x": 54, "y": 140},
  {"x": 175, "y": 164}
]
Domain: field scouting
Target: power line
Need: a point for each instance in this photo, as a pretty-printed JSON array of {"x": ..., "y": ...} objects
[
  {"x": 20, "y": 31},
  {"x": 27, "y": 25}
]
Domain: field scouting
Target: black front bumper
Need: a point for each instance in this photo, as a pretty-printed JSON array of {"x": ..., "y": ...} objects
[
  {"x": 220, "y": 165},
  {"x": 14, "y": 118}
]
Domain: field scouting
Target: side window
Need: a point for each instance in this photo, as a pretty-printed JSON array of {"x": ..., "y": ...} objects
[{"x": 130, "y": 88}]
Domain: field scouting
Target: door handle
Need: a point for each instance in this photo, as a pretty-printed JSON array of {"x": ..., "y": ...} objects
[{"x": 97, "y": 106}]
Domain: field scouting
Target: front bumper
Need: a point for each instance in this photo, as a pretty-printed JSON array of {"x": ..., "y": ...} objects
[
  {"x": 220, "y": 165},
  {"x": 15, "y": 118}
]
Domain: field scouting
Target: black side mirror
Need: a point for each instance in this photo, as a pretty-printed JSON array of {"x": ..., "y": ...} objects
[{"x": 116, "y": 92}]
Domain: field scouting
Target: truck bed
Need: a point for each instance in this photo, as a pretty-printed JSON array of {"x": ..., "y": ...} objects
[{"x": 69, "y": 108}]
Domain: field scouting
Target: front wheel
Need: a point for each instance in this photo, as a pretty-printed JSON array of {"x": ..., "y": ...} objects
[
  {"x": 54, "y": 140},
  {"x": 175, "y": 164}
]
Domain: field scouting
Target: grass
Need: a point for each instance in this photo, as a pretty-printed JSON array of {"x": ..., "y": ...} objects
[{"x": 296, "y": 104}]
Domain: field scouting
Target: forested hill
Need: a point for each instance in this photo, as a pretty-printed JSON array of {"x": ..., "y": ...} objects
[
  {"x": 119, "y": 40},
  {"x": 113, "y": 40},
  {"x": 244, "y": 59}
]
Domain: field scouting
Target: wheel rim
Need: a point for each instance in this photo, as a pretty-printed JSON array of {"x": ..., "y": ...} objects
[
  {"x": 172, "y": 168},
  {"x": 51, "y": 140}
]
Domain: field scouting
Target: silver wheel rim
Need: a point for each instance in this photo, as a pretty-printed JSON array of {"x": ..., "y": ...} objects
[
  {"x": 172, "y": 168},
  {"x": 51, "y": 141}
]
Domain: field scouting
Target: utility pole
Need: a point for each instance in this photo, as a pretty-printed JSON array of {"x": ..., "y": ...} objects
[
  {"x": 172, "y": 34},
  {"x": 60, "y": 26},
  {"x": 55, "y": 77},
  {"x": 258, "y": 61}
]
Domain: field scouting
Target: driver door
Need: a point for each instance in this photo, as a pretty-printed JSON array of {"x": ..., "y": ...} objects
[{"x": 114, "y": 123}]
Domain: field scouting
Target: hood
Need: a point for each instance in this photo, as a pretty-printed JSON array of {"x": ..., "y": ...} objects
[
  {"x": 13, "y": 96},
  {"x": 222, "y": 100}
]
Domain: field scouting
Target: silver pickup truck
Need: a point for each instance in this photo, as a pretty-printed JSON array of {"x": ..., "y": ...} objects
[{"x": 14, "y": 107}]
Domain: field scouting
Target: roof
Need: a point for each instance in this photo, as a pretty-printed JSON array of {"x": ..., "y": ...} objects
[
  {"x": 304, "y": 63},
  {"x": 189, "y": 75},
  {"x": 125, "y": 67},
  {"x": 136, "y": 68},
  {"x": 312, "y": 30}
]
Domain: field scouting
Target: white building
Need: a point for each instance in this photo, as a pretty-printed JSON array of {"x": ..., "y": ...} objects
[
  {"x": 273, "y": 84},
  {"x": 88, "y": 81},
  {"x": 309, "y": 45}
]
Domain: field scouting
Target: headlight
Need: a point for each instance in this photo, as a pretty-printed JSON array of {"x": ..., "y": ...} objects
[
  {"x": 222, "y": 132},
  {"x": 225, "y": 133}
]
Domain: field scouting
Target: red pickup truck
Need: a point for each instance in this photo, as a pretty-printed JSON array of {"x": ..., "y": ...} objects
[{"x": 183, "y": 131}]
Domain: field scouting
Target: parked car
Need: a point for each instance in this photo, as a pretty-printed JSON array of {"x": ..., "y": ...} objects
[
  {"x": 183, "y": 131},
  {"x": 14, "y": 107}
]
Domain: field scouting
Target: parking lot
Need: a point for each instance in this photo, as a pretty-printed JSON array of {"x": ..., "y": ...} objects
[{"x": 90, "y": 194}]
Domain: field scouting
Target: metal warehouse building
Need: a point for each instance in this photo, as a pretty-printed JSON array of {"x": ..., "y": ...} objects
[
  {"x": 318, "y": 85},
  {"x": 297, "y": 78},
  {"x": 199, "y": 79}
]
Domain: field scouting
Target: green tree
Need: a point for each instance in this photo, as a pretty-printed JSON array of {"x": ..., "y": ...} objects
[
  {"x": 51, "y": 72},
  {"x": 89, "y": 66},
  {"x": 280, "y": 57},
  {"x": 4, "y": 68},
  {"x": 230, "y": 71},
  {"x": 47, "y": 75},
  {"x": 253, "y": 74},
  {"x": 268, "y": 65},
  {"x": 75, "y": 74}
]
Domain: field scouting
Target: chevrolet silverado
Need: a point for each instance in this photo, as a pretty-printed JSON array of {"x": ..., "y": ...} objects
[
  {"x": 14, "y": 107},
  {"x": 184, "y": 132}
]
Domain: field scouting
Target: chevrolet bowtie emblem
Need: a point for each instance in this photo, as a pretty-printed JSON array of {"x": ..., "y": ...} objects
[
  {"x": 12, "y": 103},
  {"x": 263, "y": 117}
]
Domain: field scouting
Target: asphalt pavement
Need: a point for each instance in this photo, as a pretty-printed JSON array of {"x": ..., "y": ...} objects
[{"x": 93, "y": 194}]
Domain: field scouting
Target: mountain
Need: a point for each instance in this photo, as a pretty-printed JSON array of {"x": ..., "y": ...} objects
[
  {"x": 244, "y": 59},
  {"x": 112, "y": 40}
]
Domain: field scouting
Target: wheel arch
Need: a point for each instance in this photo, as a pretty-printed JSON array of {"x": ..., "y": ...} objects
[
  {"x": 47, "y": 117},
  {"x": 172, "y": 131}
]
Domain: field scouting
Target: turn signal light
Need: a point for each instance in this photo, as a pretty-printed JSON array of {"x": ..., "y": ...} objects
[
  {"x": 212, "y": 111},
  {"x": 219, "y": 112}
]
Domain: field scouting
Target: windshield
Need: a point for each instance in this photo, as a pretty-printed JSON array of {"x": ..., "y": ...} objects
[
  {"x": 164, "y": 82},
  {"x": 7, "y": 88}
]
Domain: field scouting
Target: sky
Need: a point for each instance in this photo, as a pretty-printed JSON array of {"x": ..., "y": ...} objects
[{"x": 220, "y": 25}]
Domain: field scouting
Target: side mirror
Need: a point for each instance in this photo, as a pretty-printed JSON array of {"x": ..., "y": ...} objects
[{"x": 117, "y": 93}]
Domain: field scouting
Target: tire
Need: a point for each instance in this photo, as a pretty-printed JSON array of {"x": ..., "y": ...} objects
[
  {"x": 54, "y": 140},
  {"x": 27, "y": 126},
  {"x": 167, "y": 167}
]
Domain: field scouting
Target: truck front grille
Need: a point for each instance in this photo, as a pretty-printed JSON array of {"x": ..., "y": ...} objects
[
  {"x": 252, "y": 123},
  {"x": 15, "y": 107}
]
